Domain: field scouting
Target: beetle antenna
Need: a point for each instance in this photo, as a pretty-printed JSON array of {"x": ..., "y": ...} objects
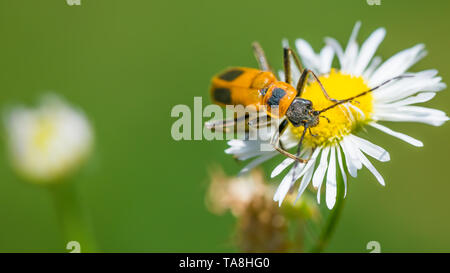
[{"x": 362, "y": 94}]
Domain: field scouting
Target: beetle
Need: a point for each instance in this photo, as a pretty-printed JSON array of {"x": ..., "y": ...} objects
[{"x": 261, "y": 88}]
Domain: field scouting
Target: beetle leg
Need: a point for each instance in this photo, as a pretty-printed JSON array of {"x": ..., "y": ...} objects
[
  {"x": 287, "y": 65},
  {"x": 225, "y": 124},
  {"x": 309, "y": 130},
  {"x": 287, "y": 54},
  {"x": 260, "y": 121},
  {"x": 276, "y": 143},
  {"x": 325, "y": 118},
  {"x": 299, "y": 148},
  {"x": 302, "y": 83},
  {"x": 261, "y": 57}
]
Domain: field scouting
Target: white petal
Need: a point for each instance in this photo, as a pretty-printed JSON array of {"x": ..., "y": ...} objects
[
  {"x": 305, "y": 153},
  {"x": 353, "y": 152},
  {"x": 371, "y": 149},
  {"x": 334, "y": 44},
  {"x": 401, "y": 136},
  {"x": 352, "y": 169},
  {"x": 371, "y": 168},
  {"x": 412, "y": 114},
  {"x": 306, "y": 52},
  {"x": 330, "y": 194},
  {"x": 326, "y": 59},
  {"x": 354, "y": 34},
  {"x": 351, "y": 50},
  {"x": 372, "y": 66},
  {"x": 286, "y": 184},
  {"x": 313, "y": 158},
  {"x": 405, "y": 87},
  {"x": 341, "y": 166},
  {"x": 350, "y": 58},
  {"x": 257, "y": 162},
  {"x": 368, "y": 49},
  {"x": 300, "y": 170},
  {"x": 319, "y": 174},
  {"x": 419, "y": 98},
  {"x": 283, "y": 189},
  {"x": 319, "y": 191},
  {"x": 310, "y": 164},
  {"x": 308, "y": 172},
  {"x": 305, "y": 182},
  {"x": 397, "y": 64},
  {"x": 283, "y": 165}
]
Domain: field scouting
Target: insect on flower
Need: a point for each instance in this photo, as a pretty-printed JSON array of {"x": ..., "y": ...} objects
[
  {"x": 279, "y": 99},
  {"x": 332, "y": 148}
]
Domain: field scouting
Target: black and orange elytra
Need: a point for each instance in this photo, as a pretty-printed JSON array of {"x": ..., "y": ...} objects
[{"x": 252, "y": 87}]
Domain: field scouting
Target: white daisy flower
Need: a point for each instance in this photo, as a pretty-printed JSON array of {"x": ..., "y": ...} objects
[
  {"x": 48, "y": 142},
  {"x": 336, "y": 148}
]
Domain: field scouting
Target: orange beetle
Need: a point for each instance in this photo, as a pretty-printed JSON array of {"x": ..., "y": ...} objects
[
  {"x": 260, "y": 88},
  {"x": 249, "y": 86}
]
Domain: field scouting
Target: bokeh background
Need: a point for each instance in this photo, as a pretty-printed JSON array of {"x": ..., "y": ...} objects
[{"x": 127, "y": 63}]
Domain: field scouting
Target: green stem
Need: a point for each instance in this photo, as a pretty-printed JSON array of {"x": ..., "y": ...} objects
[
  {"x": 71, "y": 216},
  {"x": 333, "y": 217}
]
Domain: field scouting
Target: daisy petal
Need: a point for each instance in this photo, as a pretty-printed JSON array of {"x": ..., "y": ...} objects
[
  {"x": 351, "y": 50},
  {"x": 334, "y": 44},
  {"x": 419, "y": 98},
  {"x": 257, "y": 162},
  {"x": 372, "y": 66},
  {"x": 330, "y": 194},
  {"x": 406, "y": 87},
  {"x": 341, "y": 166},
  {"x": 305, "y": 182},
  {"x": 308, "y": 172},
  {"x": 371, "y": 149},
  {"x": 281, "y": 167},
  {"x": 319, "y": 174},
  {"x": 371, "y": 168},
  {"x": 348, "y": 155},
  {"x": 413, "y": 114},
  {"x": 305, "y": 153},
  {"x": 401, "y": 136},
  {"x": 326, "y": 59},
  {"x": 307, "y": 54},
  {"x": 368, "y": 49},
  {"x": 397, "y": 64},
  {"x": 287, "y": 183},
  {"x": 283, "y": 188},
  {"x": 353, "y": 155}
]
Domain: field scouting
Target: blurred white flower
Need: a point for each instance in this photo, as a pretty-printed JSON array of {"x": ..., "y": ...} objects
[{"x": 49, "y": 142}]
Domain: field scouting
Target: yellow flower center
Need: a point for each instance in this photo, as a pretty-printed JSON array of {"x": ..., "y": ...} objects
[
  {"x": 43, "y": 134},
  {"x": 344, "y": 118}
]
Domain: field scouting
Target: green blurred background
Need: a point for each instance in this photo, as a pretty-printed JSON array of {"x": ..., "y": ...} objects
[{"x": 127, "y": 63}]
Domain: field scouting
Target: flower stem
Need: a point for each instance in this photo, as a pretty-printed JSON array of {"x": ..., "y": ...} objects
[
  {"x": 333, "y": 217},
  {"x": 71, "y": 216}
]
